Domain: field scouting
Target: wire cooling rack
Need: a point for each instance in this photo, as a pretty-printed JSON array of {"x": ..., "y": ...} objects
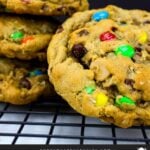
[{"x": 54, "y": 122}]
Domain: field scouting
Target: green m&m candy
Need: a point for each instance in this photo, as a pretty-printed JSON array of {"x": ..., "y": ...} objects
[
  {"x": 17, "y": 36},
  {"x": 125, "y": 103},
  {"x": 90, "y": 89},
  {"x": 125, "y": 50}
]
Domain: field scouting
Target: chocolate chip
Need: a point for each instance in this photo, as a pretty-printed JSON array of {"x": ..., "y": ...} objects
[
  {"x": 138, "y": 54},
  {"x": 85, "y": 66},
  {"x": 113, "y": 90},
  {"x": 129, "y": 82},
  {"x": 143, "y": 104},
  {"x": 123, "y": 22},
  {"x": 25, "y": 83},
  {"x": 83, "y": 32},
  {"x": 114, "y": 29},
  {"x": 78, "y": 50},
  {"x": 45, "y": 7},
  {"x": 136, "y": 22},
  {"x": 146, "y": 22},
  {"x": 71, "y": 10},
  {"x": 60, "y": 29},
  {"x": 138, "y": 49},
  {"x": 61, "y": 8}
]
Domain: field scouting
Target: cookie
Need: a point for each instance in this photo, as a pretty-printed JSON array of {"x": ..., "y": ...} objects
[
  {"x": 25, "y": 37},
  {"x": 23, "y": 82},
  {"x": 99, "y": 62},
  {"x": 46, "y": 7}
]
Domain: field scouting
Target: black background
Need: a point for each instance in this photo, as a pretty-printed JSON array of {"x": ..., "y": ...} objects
[{"x": 130, "y": 4}]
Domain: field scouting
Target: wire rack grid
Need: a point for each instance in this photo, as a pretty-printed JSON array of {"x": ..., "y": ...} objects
[{"x": 54, "y": 122}]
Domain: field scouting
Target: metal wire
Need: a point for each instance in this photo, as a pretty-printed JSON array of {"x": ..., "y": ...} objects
[{"x": 58, "y": 108}]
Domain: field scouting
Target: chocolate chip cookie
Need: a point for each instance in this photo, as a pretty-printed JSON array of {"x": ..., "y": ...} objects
[
  {"x": 99, "y": 62},
  {"x": 25, "y": 37},
  {"x": 23, "y": 82},
  {"x": 46, "y": 7}
]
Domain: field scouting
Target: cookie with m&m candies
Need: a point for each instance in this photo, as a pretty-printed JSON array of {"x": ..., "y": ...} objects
[
  {"x": 23, "y": 82},
  {"x": 99, "y": 63},
  {"x": 25, "y": 38}
]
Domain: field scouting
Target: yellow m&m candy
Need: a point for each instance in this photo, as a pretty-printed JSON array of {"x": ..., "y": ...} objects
[
  {"x": 101, "y": 99},
  {"x": 143, "y": 37}
]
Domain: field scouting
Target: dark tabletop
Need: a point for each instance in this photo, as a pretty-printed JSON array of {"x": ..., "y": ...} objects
[{"x": 130, "y": 4}]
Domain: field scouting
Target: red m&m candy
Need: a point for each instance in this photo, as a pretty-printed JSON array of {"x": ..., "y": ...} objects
[
  {"x": 26, "y": 39},
  {"x": 106, "y": 36}
]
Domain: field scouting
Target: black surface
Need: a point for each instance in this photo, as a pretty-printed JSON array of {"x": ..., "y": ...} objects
[
  {"x": 129, "y": 4},
  {"x": 56, "y": 108}
]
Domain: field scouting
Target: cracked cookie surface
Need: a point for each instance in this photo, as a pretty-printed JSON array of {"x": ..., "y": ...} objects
[
  {"x": 99, "y": 62},
  {"x": 25, "y": 37},
  {"x": 23, "y": 82},
  {"x": 43, "y": 7}
]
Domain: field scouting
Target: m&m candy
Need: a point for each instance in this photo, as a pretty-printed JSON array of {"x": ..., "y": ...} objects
[
  {"x": 125, "y": 50},
  {"x": 125, "y": 103},
  {"x": 100, "y": 15},
  {"x": 106, "y": 36},
  {"x": 18, "y": 35},
  {"x": 143, "y": 37},
  {"x": 101, "y": 99},
  {"x": 26, "y": 39},
  {"x": 36, "y": 72},
  {"x": 90, "y": 89}
]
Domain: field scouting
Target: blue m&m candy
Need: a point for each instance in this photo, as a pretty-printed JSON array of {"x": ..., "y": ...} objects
[
  {"x": 36, "y": 72},
  {"x": 100, "y": 15}
]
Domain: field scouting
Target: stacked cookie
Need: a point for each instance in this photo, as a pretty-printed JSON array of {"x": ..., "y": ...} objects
[
  {"x": 44, "y": 7},
  {"x": 23, "y": 46},
  {"x": 99, "y": 62}
]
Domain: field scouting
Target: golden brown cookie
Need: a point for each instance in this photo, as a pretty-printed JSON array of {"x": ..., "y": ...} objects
[
  {"x": 25, "y": 37},
  {"x": 23, "y": 82},
  {"x": 99, "y": 62},
  {"x": 46, "y": 7}
]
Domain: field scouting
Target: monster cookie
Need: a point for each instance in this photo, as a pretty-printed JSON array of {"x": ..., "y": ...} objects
[
  {"x": 99, "y": 62},
  {"x": 24, "y": 38},
  {"x": 23, "y": 82},
  {"x": 46, "y": 7}
]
